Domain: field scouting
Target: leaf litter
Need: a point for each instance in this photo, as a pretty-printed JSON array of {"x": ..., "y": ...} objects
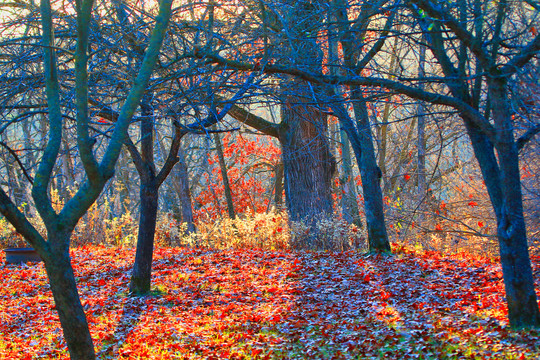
[{"x": 259, "y": 304}]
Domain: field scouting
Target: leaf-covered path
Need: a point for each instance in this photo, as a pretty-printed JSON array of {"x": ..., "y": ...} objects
[{"x": 215, "y": 304}]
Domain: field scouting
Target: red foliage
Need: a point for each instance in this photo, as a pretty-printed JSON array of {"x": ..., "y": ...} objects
[
  {"x": 249, "y": 184},
  {"x": 262, "y": 304}
]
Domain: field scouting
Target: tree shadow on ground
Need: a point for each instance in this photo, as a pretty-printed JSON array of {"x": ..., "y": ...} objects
[{"x": 131, "y": 316}]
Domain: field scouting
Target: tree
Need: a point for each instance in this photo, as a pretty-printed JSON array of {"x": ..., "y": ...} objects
[
  {"x": 359, "y": 131},
  {"x": 54, "y": 246},
  {"x": 491, "y": 132},
  {"x": 456, "y": 43},
  {"x": 307, "y": 161},
  {"x": 303, "y": 129}
]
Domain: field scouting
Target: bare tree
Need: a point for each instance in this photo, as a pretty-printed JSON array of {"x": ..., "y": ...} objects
[{"x": 54, "y": 246}]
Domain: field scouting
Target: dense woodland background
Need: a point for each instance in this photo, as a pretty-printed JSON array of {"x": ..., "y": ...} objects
[{"x": 319, "y": 125}]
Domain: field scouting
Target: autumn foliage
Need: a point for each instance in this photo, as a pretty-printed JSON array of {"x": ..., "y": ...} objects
[
  {"x": 254, "y": 304},
  {"x": 250, "y": 162}
]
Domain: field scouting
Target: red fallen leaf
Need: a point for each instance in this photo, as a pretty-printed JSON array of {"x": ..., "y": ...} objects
[
  {"x": 481, "y": 224},
  {"x": 385, "y": 295},
  {"x": 255, "y": 352},
  {"x": 419, "y": 305},
  {"x": 473, "y": 203},
  {"x": 407, "y": 177},
  {"x": 438, "y": 227}
]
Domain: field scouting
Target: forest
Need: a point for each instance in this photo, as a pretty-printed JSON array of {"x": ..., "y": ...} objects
[{"x": 270, "y": 179}]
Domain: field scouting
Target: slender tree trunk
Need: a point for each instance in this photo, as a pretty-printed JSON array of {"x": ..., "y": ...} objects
[
  {"x": 225, "y": 177},
  {"x": 362, "y": 144},
  {"x": 421, "y": 141},
  {"x": 184, "y": 193},
  {"x": 349, "y": 204},
  {"x": 142, "y": 269},
  {"x": 370, "y": 174},
  {"x": 278, "y": 186},
  {"x": 360, "y": 136},
  {"x": 148, "y": 197},
  {"x": 66, "y": 299}
]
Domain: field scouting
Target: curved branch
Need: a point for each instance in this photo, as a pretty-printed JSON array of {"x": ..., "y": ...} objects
[
  {"x": 250, "y": 119},
  {"x": 172, "y": 157},
  {"x": 525, "y": 138},
  {"x": 18, "y": 160},
  {"x": 522, "y": 58},
  {"x": 404, "y": 89},
  {"x": 465, "y": 36},
  {"x": 48, "y": 160},
  {"x": 21, "y": 223}
]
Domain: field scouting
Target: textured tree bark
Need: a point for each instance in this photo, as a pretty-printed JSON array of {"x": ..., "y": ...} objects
[
  {"x": 66, "y": 299},
  {"x": 307, "y": 161},
  {"x": 142, "y": 268},
  {"x": 521, "y": 297}
]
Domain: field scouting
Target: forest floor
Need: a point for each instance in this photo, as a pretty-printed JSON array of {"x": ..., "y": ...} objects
[{"x": 254, "y": 304}]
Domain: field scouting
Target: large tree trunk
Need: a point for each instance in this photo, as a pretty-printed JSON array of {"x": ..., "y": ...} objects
[
  {"x": 307, "y": 161},
  {"x": 518, "y": 279},
  {"x": 142, "y": 268},
  {"x": 66, "y": 298}
]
